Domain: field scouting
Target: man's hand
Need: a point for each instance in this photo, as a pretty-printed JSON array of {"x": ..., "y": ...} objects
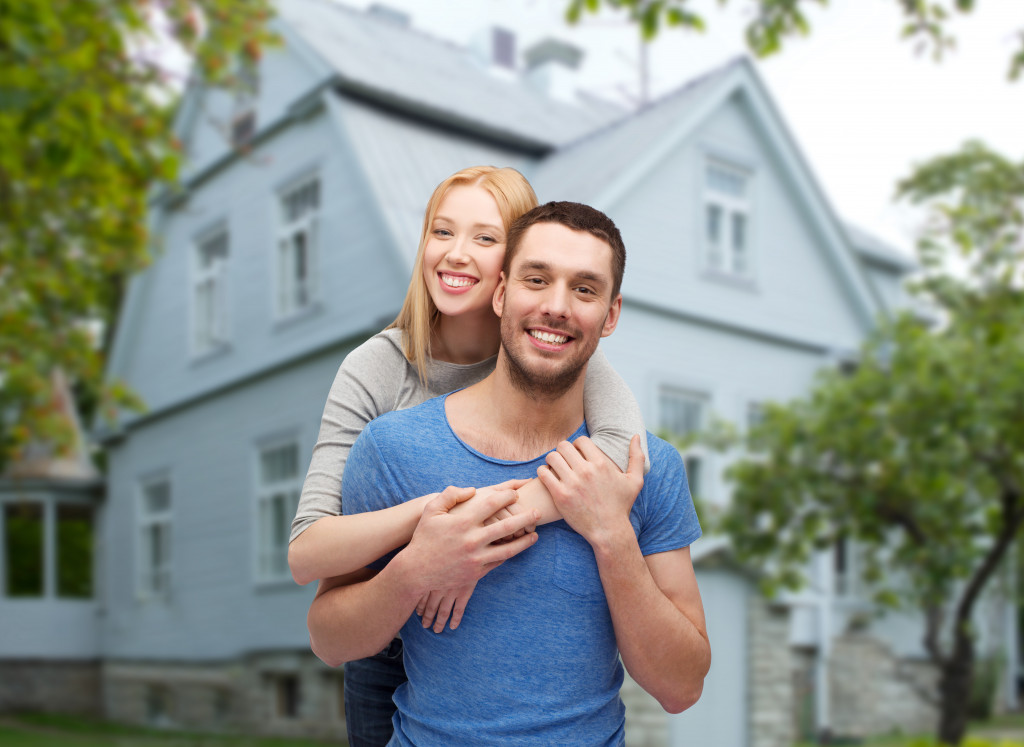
[
  {"x": 451, "y": 550},
  {"x": 593, "y": 495}
]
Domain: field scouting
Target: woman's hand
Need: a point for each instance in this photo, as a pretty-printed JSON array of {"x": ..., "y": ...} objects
[
  {"x": 435, "y": 607},
  {"x": 511, "y": 509}
]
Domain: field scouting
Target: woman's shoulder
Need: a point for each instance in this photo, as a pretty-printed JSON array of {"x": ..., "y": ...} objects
[{"x": 380, "y": 352}]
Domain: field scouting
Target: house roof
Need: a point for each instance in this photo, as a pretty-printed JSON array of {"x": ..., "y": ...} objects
[{"x": 391, "y": 63}]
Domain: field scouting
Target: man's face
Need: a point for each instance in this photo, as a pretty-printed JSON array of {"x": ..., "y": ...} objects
[{"x": 555, "y": 306}]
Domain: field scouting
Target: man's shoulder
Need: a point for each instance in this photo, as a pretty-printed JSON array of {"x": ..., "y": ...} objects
[
  {"x": 415, "y": 419},
  {"x": 664, "y": 456}
]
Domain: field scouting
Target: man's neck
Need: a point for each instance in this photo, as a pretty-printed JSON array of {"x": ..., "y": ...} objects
[{"x": 503, "y": 421}]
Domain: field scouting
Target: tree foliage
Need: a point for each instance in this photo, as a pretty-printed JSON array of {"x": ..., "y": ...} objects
[
  {"x": 85, "y": 135},
  {"x": 925, "y": 22},
  {"x": 917, "y": 455}
]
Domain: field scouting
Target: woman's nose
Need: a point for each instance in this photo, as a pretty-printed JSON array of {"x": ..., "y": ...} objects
[{"x": 457, "y": 253}]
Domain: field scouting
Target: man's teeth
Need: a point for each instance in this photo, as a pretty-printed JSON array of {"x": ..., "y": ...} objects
[
  {"x": 548, "y": 337},
  {"x": 457, "y": 282}
]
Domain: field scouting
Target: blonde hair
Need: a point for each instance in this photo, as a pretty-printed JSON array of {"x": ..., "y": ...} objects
[{"x": 513, "y": 195}]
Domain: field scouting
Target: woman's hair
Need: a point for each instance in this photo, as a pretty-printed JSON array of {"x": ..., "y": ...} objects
[{"x": 513, "y": 195}]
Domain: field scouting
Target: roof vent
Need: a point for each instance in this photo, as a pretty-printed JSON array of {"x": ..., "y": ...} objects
[
  {"x": 389, "y": 15},
  {"x": 551, "y": 66}
]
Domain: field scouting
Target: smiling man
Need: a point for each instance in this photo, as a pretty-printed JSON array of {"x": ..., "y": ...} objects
[{"x": 536, "y": 658}]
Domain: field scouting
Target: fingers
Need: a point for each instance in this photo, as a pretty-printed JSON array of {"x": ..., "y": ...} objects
[
  {"x": 498, "y": 554},
  {"x": 444, "y": 610},
  {"x": 513, "y": 527},
  {"x": 448, "y": 499},
  {"x": 635, "y": 468},
  {"x": 430, "y": 608},
  {"x": 512, "y": 484},
  {"x": 461, "y": 600}
]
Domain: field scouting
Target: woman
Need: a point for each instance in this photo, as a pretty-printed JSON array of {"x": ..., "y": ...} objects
[{"x": 445, "y": 337}]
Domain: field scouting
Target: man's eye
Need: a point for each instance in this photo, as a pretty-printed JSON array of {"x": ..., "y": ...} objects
[{"x": 583, "y": 289}]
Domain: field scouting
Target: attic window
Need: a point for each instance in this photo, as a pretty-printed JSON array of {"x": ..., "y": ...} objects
[
  {"x": 299, "y": 210},
  {"x": 727, "y": 208},
  {"x": 243, "y": 117}
]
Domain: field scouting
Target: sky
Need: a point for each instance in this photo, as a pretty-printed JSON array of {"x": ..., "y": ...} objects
[{"x": 863, "y": 106}]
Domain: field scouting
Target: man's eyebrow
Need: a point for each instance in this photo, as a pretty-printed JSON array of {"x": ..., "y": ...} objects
[{"x": 538, "y": 265}]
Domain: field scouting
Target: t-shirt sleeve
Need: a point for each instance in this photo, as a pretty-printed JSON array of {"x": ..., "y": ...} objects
[
  {"x": 369, "y": 484},
  {"x": 366, "y": 385},
  {"x": 612, "y": 413},
  {"x": 667, "y": 517}
]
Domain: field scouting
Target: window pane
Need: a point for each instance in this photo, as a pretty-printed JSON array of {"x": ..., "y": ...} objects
[
  {"x": 212, "y": 249},
  {"x": 157, "y": 497},
  {"x": 681, "y": 413},
  {"x": 728, "y": 181},
  {"x": 714, "y": 229},
  {"x": 739, "y": 243},
  {"x": 23, "y": 538},
  {"x": 279, "y": 463},
  {"x": 74, "y": 551},
  {"x": 693, "y": 465}
]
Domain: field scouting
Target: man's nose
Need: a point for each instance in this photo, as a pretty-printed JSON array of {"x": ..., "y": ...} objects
[{"x": 556, "y": 301}]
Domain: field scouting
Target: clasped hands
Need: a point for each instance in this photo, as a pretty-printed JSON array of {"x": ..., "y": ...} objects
[{"x": 460, "y": 540}]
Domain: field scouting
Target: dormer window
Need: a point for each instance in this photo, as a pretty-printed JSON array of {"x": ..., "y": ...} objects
[
  {"x": 299, "y": 211},
  {"x": 243, "y": 116},
  {"x": 209, "y": 309},
  {"x": 727, "y": 237}
]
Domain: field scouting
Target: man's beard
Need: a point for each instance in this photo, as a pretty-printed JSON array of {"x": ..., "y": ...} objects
[{"x": 540, "y": 384}]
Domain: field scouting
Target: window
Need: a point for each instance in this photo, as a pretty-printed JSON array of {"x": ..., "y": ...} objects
[
  {"x": 278, "y": 498},
  {"x": 74, "y": 551},
  {"x": 155, "y": 539},
  {"x": 755, "y": 414},
  {"x": 287, "y": 695},
  {"x": 844, "y": 561},
  {"x": 682, "y": 416},
  {"x": 296, "y": 247},
  {"x": 210, "y": 304},
  {"x": 243, "y": 118},
  {"x": 23, "y": 543},
  {"x": 727, "y": 220}
]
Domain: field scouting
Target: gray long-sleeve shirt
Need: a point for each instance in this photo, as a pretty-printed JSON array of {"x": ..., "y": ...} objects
[{"x": 376, "y": 378}]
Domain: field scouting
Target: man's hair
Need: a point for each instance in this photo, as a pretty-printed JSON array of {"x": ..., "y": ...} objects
[{"x": 576, "y": 217}]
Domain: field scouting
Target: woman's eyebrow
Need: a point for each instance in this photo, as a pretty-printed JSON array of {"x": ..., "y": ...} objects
[{"x": 489, "y": 226}]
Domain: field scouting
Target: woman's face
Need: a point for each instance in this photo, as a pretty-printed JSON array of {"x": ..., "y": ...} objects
[{"x": 463, "y": 255}]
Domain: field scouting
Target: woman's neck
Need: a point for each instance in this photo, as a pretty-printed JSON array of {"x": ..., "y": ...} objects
[{"x": 467, "y": 338}]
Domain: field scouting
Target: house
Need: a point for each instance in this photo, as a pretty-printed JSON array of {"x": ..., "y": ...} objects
[{"x": 292, "y": 241}]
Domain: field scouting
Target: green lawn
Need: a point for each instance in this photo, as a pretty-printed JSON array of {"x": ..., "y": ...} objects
[
  {"x": 39, "y": 730},
  {"x": 1001, "y": 731}
]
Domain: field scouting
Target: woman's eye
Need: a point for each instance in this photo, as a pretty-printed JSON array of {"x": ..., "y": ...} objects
[
  {"x": 488, "y": 239},
  {"x": 442, "y": 232}
]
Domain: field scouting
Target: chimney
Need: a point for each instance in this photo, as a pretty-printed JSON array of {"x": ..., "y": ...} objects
[
  {"x": 495, "y": 48},
  {"x": 388, "y": 14},
  {"x": 551, "y": 66}
]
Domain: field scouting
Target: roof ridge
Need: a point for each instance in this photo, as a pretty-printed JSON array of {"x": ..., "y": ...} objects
[{"x": 629, "y": 116}]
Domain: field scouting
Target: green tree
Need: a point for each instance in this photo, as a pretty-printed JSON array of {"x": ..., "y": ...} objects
[
  {"x": 926, "y": 22},
  {"x": 916, "y": 456},
  {"x": 85, "y": 136}
]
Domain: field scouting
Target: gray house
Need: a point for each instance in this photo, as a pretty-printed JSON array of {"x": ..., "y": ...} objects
[{"x": 293, "y": 242}]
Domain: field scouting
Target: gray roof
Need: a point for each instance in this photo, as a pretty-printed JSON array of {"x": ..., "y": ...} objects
[
  {"x": 579, "y": 170},
  {"x": 874, "y": 249},
  {"x": 395, "y": 64}
]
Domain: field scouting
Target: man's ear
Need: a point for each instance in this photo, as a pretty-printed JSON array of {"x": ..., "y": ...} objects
[
  {"x": 612, "y": 319},
  {"x": 498, "y": 300}
]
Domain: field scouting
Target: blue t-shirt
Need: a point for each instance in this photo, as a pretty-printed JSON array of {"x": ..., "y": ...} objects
[{"x": 534, "y": 661}]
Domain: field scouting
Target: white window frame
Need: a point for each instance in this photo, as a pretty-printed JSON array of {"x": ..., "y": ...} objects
[
  {"x": 209, "y": 305},
  {"x": 293, "y": 294},
  {"x": 244, "y": 121},
  {"x": 271, "y": 542},
  {"x": 154, "y": 575},
  {"x": 723, "y": 257},
  {"x": 694, "y": 453}
]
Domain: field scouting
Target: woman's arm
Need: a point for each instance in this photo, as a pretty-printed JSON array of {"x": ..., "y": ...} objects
[
  {"x": 367, "y": 384},
  {"x": 612, "y": 413}
]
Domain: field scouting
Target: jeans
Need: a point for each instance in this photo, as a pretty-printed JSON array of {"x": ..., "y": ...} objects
[{"x": 369, "y": 686}]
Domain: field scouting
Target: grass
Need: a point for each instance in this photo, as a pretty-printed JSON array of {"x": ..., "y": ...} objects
[
  {"x": 51, "y": 730},
  {"x": 1006, "y": 727}
]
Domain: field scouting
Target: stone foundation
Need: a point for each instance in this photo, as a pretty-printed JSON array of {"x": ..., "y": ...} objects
[
  {"x": 873, "y": 692},
  {"x": 287, "y": 694},
  {"x": 771, "y": 696},
  {"x": 42, "y": 685}
]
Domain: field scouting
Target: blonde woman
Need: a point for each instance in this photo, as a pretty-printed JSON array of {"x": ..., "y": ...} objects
[{"x": 445, "y": 338}]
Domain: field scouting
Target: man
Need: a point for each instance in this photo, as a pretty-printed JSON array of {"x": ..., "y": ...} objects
[{"x": 536, "y": 658}]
